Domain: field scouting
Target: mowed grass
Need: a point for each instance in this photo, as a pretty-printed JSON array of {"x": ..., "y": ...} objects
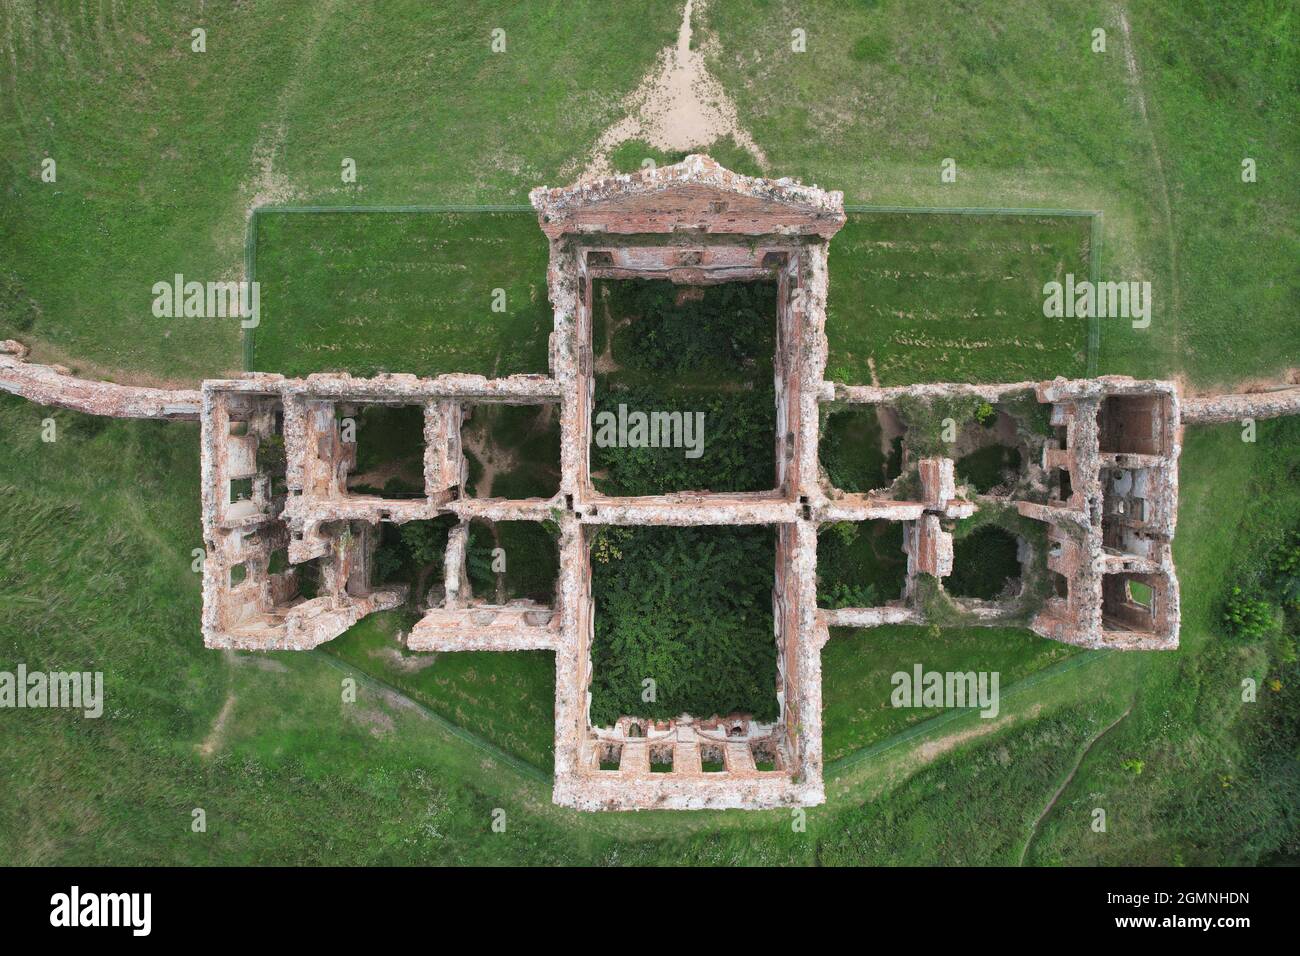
[
  {"x": 507, "y": 699},
  {"x": 401, "y": 292},
  {"x": 922, "y": 297},
  {"x": 858, "y": 666},
  {"x": 955, "y": 298},
  {"x": 162, "y": 152},
  {"x": 1152, "y": 132}
]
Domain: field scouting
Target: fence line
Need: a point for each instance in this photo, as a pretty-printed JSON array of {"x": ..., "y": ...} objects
[{"x": 1094, "y": 245}]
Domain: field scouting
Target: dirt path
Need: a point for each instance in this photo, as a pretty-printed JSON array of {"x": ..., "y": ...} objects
[
  {"x": 679, "y": 105},
  {"x": 490, "y": 456},
  {"x": 1135, "y": 78},
  {"x": 216, "y": 736},
  {"x": 1033, "y": 831}
]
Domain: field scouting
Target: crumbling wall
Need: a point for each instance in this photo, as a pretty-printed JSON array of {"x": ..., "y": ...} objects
[
  {"x": 1118, "y": 446},
  {"x": 1211, "y": 409},
  {"x": 54, "y": 386}
]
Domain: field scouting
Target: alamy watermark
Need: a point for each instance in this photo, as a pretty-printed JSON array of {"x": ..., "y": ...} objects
[
  {"x": 228, "y": 299},
  {"x": 130, "y": 910},
  {"x": 638, "y": 429},
  {"x": 77, "y": 690},
  {"x": 1101, "y": 300},
  {"x": 947, "y": 689}
]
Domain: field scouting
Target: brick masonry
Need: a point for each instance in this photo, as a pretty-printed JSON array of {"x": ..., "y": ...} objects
[{"x": 1109, "y": 475}]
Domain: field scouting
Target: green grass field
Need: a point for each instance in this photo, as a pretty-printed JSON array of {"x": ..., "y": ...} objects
[
  {"x": 939, "y": 298},
  {"x": 296, "y": 775},
  {"x": 163, "y": 153},
  {"x": 401, "y": 292},
  {"x": 1033, "y": 118}
]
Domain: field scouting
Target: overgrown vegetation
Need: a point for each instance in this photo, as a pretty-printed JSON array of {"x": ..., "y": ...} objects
[
  {"x": 528, "y": 559},
  {"x": 412, "y": 553},
  {"x": 989, "y": 467},
  {"x": 686, "y": 351},
  {"x": 689, "y": 609},
  {"x": 860, "y": 564},
  {"x": 850, "y": 450},
  {"x": 521, "y": 443},
  {"x": 984, "y": 564},
  {"x": 390, "y": 451}
]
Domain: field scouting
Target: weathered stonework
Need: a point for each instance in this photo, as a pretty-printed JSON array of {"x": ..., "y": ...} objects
[
  {"x": 54, "y": 386},
  {"x": 1210, "y": 409},
  {"x": 275, "y": 493}
]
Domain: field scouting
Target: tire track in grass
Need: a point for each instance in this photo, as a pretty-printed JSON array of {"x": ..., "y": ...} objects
[
  {"x": 1135, "y": 78},
  {"x": 1033, "y": 831}
]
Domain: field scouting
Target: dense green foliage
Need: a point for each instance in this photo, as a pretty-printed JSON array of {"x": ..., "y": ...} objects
[
  {"x": 700, "y": 331},
  {"x": 988, "y": 467},
  {"x": 982, "y": 563},
  {"x": 530, "y": 554},
  {"x": 690, "y": 609},
  {"x": 860, "y": 564},
  {"x": 1247, "y": 616},
  {"x": 690, "y": 350},
  {"x": 410, "y": 553},
  {"x": 390, "y": 451},
  {"x": 738, "y": 453},
  {"x": 850, "y": 450}
]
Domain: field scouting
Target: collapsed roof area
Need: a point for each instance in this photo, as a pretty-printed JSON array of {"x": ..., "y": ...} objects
[{"x": 291, "y": 542}]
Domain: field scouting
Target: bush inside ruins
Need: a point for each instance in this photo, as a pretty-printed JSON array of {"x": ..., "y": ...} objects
[
  {"x": 689, "y": 351},
  {"x": 689, "y": 609}
]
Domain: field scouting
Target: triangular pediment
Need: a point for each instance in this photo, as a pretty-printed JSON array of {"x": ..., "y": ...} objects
[{"x": 696, "y": 194}]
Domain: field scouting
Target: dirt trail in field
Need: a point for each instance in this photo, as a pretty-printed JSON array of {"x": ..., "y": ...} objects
[
  {"x": 216, "y": 736},
  {"x": 1135, "y": 78},
  {"x": 931, "y": 750},
  {"x": 268, "y": 186},
  {"x": 679, "y": 105},
  {"x": 1033, "y": 831}
]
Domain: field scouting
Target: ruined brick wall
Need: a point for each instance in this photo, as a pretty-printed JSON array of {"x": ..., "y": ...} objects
[
  {"x": 694, "y": 222},
  {"x": 52, "y": 385},
  {"x": 1211, "y": 409}
]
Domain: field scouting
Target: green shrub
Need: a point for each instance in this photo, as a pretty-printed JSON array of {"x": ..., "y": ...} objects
[
  {"x": 982, "y": 563},
  {"x": 842, "y": 594},
  {"x": 1248, "y": 616},
  {"x": 690, "y": 608},
  {"x": 1284, "y": 567}
]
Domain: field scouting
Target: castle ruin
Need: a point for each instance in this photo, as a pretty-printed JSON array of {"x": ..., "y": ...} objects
[{"x": 1102, "y": 487}]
